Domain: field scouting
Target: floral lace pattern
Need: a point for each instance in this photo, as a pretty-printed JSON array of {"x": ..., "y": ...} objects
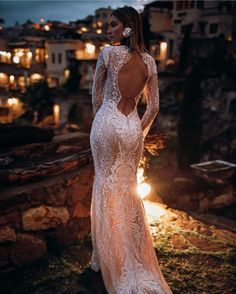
[{"x": 122, "y": 243}]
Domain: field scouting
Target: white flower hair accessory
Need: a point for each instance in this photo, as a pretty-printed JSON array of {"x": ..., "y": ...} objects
[{"x": 127, "y": 32}]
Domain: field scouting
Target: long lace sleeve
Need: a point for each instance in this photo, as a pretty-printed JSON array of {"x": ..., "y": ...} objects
[
  {"x": 98, "y": 82},
  {"x": 151, "y": 94}
]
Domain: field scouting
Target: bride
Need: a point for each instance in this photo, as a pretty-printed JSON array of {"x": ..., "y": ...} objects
[{"x": 122, "y": 243}]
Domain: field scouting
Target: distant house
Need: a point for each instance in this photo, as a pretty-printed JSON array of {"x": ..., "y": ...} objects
[
  {"x": 22, "y": 62},
  {"x": 171, "y": 20},
  {"x": 59, "y": 53}
]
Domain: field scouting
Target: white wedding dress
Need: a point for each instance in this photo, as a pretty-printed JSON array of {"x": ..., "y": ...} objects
[{"x": 122, "y": 243}]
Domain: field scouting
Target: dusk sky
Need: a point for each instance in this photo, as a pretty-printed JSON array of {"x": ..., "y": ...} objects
[{"x": 62, "y": 10}]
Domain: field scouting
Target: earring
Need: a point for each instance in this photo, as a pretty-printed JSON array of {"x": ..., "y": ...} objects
[{"x": 127, "y": 32}]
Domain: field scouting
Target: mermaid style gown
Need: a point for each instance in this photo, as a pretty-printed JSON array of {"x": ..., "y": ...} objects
[{"x": 122, "y": 243}]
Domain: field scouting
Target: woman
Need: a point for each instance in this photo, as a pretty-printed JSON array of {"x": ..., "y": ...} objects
[{"x": 122, "y": 244}]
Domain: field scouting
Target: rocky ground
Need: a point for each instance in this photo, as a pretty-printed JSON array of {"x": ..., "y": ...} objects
[{"x": 195, "y": 257}]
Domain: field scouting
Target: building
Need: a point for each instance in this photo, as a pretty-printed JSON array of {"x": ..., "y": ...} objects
[
  {"x": 101, "y": 20},
  {"x": 161, "y": 36},
  {"x": 22, "y": 62},
  {"x": 59, "y": 53},
  {"x": 204, "y": 19},
  {"x": 170, "y": 21}
]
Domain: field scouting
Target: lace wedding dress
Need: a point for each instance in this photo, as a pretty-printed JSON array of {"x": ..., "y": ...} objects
[{"x": 122, "y": 243}]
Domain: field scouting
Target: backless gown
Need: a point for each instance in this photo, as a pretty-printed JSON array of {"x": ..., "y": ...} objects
[{"x": 122, "y": 243}]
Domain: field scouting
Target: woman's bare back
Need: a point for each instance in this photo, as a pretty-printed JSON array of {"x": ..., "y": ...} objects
[{"x": 132, "y": 78}]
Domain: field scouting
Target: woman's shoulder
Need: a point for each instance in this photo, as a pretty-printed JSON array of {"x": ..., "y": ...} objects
[
  {"x": 150, "y": 61},
  {"x": 111, "y": 52},
  {"x": 107, "y": 50},
  {"x": 149, "y": 57},
  {"x": 112, "y": 49}
]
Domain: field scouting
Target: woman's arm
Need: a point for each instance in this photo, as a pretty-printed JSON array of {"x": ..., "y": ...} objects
[
  {"x": 152, "y": 98},
  {"x": 98, "y": 82}
]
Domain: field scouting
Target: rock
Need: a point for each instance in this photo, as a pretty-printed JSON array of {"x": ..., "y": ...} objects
[
  {"x": 68, "y": 148},
  {"x": 76, "y": 192},
  {"x": 84, "y": 228},
  {"x": 204, "y": 230},
  {"x": 179, "y": 242},
  {"x": 196, "y": 196},
  {"x": 56, "y": 195},
  {"x": 12, "y": 217},
  {"x": 37, "y": 196},
  {"x": 206, "y": 245},
  {"x": 45, "y": 217},
  {"x": 79, "y": 186},
  {"x": 204, "y": 204},
  {"x": 27, "y": 248},
  {"x": 224, "y": 235},
  {"x": 223, "y": 200},
  {"x": 7, "y": 234},
  {"x": 75, "y": 229},
  {"x": 53, "y": 167},
  {"x": 79, "y": 210}
]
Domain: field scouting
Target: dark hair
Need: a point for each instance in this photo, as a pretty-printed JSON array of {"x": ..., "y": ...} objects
[{"x": 131, "y": 18}]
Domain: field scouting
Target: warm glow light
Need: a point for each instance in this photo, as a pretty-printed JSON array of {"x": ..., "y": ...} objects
[
  {"x": 20, "y": 53},
  {"x": 36, "y": 76},
  {"x": 99, "y": 31},
  {"x": 42, "y": 20},
  {"x": 12, "y": 101},
  {"x": 90, "y": 48},
  {"x": 67, "y": 73},
  {"x": 99, "y": 23},
  {"x": 154, "y": 210},
  {"x": 12, "y": 78},
  {"x": 47, "y": 28},
  {"x": 140, "y": 177},
  {"x": 16, "y": 59},
  {"x": 84, "y": 29},
  {"x": 144, "y": 189},
  {"x": 163, "y": 45},
  {"x": 56, "y": 114},
  {"x": 229, "y": 38},
  {"x": 29, "y": 54},
  {"x": 163, "y": 49}
]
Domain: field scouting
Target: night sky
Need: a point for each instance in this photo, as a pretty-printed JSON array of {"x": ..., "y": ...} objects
[{"x": 62, "y": 10}]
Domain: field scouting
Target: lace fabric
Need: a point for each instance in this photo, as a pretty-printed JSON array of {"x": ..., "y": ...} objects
[{"x": 122, "y": 243}]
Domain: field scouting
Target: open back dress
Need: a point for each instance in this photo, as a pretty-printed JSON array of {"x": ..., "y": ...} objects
[{"x": 122, "y": 243}]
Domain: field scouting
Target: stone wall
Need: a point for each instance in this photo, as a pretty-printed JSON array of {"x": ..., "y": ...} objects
[
  {"x": 45, "y": 217},
  {"x": 44, "y": 214}
]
